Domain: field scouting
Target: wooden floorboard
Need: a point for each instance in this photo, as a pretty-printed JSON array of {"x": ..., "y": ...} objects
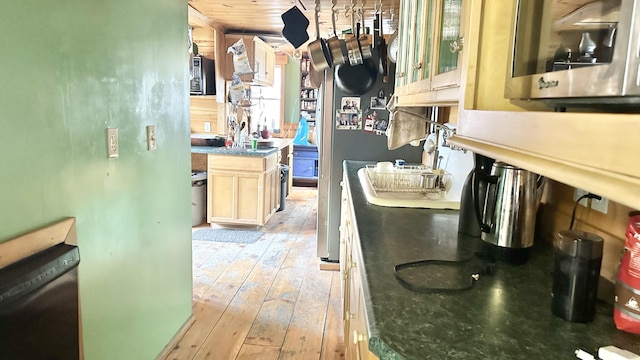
[
  {"x": 268, "y": 300},
  {"x": 333, "y": 346},
  {"x": 306, "y": 329}
]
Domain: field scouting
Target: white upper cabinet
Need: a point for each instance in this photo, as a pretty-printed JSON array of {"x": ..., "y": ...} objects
[{"x": 261, "y": 56}]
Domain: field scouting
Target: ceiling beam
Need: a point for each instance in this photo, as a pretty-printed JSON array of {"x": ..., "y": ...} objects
[{"x": 198, "y": 19}]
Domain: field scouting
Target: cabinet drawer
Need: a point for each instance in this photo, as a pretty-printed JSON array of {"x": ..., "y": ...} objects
[
  {"x": 242, "y": 163},
  {"x": 271, "y": 161}
]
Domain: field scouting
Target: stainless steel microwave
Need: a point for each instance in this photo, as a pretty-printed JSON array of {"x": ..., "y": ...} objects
[
  {"x": 203, "y": 81},
  {"x": 580, "y": 52}
]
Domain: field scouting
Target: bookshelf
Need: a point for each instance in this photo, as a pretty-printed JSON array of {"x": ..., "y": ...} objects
[{"x": 308, "y": 93}]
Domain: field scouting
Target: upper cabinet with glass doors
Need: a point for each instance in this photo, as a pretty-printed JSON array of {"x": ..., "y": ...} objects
[{"x": 429, "y": 59}]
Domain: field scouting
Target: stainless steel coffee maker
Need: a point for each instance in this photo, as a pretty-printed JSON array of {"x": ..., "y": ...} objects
[{"x": 507, "y": 213}]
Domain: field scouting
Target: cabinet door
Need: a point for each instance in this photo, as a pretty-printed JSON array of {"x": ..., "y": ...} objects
[
  {"x": 415, "y": 49},
  {"x": 449, "y": 44},
  {"x": 360, "y": 333},
  {"x": 420, "y": 79},
  {"x": 271, "y": 192},
  {"x": 264, "y": 63},
  {"x": 249, "y": 46},
  {"x": 404, "y": 41},
  {"x": 429, "y": 60},
  {"x": 248, "y": 196},
  {"x": 259, "y": 62},
  {"x": 269, "y": 67},
  {"x": 221, "y": 187}
]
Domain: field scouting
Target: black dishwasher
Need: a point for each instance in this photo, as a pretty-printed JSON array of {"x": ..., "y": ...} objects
[{"x": 39, "y": 306}]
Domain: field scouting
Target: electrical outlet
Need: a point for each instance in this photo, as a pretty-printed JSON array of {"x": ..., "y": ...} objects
[
  {"x": 597, "y": 205},
  {"x": 151, "y": 137},
  {"x": 207, "y": 126},
  {"x": 112, "y": 142}
]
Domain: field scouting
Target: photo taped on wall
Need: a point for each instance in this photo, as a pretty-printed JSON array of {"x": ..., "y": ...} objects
[
  {"x": 350, "y": 104},
  {"x": 348, "y": 120}
]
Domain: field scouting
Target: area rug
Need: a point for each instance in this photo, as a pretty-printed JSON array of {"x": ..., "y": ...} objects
[{"x": 227, "y": 235}]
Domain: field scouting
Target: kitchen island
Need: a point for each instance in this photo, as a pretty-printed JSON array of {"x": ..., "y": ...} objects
[
  {"x": 243, "y": 185},
  {"x": 506, "y": 314}
]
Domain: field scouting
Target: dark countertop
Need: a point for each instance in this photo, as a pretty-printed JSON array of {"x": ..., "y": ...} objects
[
  {"x": 506, "y": 315},
  {"x": 233, "y": 151}
]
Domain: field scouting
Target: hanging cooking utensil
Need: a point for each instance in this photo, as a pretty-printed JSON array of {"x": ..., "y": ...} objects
[
  {"x": 376, "y": 26},
  {"x": 353, "y": 48},
  {"x": 336, "y": 46},
  {"x": 363, "y": 39},
  {"x": 360, "y": 75},
  {"x": 318, "y": 50},
  {"x": 382, "y": 51}
]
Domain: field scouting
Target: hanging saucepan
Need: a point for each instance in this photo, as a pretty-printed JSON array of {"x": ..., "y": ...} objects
[
  {"x": 363, "y": 39},
  {"x": 358, "y": 77},
  {"x": 353, "y": 47},
  {"x": 338, "y": 53},
  {"x": 318, "y": 50},
  {"x": 356, "y": 80}
]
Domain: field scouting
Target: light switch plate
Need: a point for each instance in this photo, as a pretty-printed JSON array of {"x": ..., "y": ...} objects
[
  {"x": 151, "y": 137},
  {"x": 112, "y": 142},
  {"x": 207, "y": 126}
]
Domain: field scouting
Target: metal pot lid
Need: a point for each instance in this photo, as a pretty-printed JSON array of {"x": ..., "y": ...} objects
[{"x": 392, "y": 48}]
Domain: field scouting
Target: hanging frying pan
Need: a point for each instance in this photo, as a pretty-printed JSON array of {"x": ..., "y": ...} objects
[
  {"x": 356, "y": 80},
  {"x": 318, "y": 49}
]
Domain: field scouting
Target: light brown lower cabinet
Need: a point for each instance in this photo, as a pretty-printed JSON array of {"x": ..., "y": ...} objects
[
  {"x": 243, "y": 190},
  {"x": 355, "y": 324}
]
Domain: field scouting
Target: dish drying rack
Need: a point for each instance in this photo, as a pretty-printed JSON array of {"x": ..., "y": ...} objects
[{"x": 410, "y": 179}]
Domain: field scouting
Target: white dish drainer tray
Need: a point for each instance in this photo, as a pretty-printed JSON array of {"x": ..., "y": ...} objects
[{"x": 410, "y": 179}]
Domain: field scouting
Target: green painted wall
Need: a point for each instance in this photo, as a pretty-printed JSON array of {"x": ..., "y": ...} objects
[
  {"x": 291, "y": 94},
  {"x": 69, "y": 70}
]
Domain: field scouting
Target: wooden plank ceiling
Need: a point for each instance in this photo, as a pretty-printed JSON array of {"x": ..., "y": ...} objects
[{"x": 264, "y": 16}]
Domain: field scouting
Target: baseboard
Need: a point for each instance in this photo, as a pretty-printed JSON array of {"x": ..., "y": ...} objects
[
  {"x": 176, "y": 338},
  {"x": 329, "y": 266}
]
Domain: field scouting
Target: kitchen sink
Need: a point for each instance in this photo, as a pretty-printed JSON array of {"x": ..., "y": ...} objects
[{"x": 407, "y": 199}]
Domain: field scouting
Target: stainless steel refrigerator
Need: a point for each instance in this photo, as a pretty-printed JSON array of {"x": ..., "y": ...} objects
[{"x": 339, "y": 141}]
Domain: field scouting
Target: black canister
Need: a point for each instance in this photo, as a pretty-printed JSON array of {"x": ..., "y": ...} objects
[{"x": 576, "y": 270}]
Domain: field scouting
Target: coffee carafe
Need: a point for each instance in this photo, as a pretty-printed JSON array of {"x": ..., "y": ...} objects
[
  {"x": 475, "y": 183},
  {"x": 576, "y": 271},
  {"x": 508, "y": 217}
]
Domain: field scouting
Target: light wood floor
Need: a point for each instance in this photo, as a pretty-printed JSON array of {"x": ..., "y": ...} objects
[{"x": 267, "y": 300}]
